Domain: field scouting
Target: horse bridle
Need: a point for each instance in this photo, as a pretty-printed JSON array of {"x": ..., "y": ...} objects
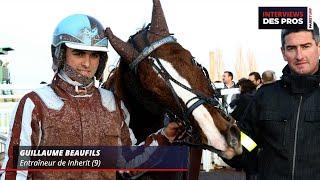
[{"x": 186, "y": 112}]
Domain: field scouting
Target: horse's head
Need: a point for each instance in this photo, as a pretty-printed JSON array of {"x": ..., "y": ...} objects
[{"x": 177, "y": 81}]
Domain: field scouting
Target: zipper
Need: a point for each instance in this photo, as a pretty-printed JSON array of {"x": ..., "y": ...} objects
[
  {"x": 295, "y": 140},
  {"x": 285, "y": 122},
  {"x": 81, "y": 128}
]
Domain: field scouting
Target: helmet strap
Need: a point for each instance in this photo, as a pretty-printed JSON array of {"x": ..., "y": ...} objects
[{"x": 58, "y": 57}]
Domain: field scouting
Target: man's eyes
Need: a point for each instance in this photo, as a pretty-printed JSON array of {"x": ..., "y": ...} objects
[
  {"x": 290, "y": 48},
  {"x": 81, "y": 54},
  {"x": 306, "y": 46},
  {"x": 96, "y": 55},
  {"x": 78, "y": 53}
]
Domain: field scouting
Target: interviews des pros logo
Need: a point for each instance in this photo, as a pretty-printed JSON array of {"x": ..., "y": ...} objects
[{"x": 285, "y": 18}]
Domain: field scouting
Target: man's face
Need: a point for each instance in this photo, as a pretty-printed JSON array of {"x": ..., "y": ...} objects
[
  {"x": 255, "y": 82},
  {"x": 226, "y": 78},
  {"x": 301, "y": 52},
  {"x": 84, "y": 62}
]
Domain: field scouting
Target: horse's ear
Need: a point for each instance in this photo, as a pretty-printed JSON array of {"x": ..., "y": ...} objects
[
  {"x": 125, "y": 50},
  {"x": 158, "y": 26}
]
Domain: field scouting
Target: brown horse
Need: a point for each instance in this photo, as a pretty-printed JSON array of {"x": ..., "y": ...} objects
[{"x": 156, "y": 76}]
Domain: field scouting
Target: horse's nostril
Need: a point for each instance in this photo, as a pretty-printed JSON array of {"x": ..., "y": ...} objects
[{"x": 233, "y": 142}]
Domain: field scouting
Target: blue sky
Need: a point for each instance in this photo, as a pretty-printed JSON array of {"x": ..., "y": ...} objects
[{"x": 199, "y": 25}]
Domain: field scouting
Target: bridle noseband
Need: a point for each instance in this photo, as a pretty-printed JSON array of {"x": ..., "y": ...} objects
[{"x": 190, "y": 134}]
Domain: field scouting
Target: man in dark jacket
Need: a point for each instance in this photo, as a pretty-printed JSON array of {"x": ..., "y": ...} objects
[
  {"x": 247, "y": 92},
  {"x": 284, "y": 117}
]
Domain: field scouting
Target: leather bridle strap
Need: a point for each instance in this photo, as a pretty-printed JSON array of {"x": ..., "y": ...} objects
[
  {"x": 194, "y": 105},
  {"x": 198, "y": 145},
  {"x": 167, "y": 77},
  {"x": 148, "y": 50}
]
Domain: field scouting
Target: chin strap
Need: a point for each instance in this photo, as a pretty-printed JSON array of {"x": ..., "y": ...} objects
[{"x": 78, "y": 87}]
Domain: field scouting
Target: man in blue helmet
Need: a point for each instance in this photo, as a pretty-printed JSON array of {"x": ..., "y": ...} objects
[{"x": 71, "y": 111}]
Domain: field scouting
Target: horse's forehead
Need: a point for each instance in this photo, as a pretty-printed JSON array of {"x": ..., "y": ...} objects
[
  {"x": 140, "y": 40},
  {"x": 173, "y": 53}
]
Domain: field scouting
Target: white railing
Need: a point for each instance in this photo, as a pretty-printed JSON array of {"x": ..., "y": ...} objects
[
  {"x": 24, "y": 87},
  {"x": 10, "y": 94},
  {"x": 6, "y": 109}
]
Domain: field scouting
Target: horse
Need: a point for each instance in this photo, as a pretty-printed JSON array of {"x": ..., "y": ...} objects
[{"x": 156, "y": 77}]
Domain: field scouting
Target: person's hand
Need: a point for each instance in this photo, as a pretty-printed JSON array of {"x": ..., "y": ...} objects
[{"x": 172, "y": 130}]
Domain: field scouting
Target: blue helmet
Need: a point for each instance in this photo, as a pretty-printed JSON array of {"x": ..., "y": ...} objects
[{"x": 82, "y": 32}]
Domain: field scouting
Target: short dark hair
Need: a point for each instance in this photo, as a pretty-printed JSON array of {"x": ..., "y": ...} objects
[
  {"x": 246, "y": 85},
  {"x": 256, "y": 75},
  {"x": 315, "y": 33},
  {"x": 229, "y": 73}
]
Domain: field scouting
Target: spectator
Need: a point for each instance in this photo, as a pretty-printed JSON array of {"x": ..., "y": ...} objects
[
  {"x": 268, "y": 76},
  {"x": 247, "y": 91},
  {"x": 256, "y": 79},
  {"x": 227, "y": 79}
]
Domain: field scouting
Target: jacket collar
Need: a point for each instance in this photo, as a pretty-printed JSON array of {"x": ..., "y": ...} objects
[
  {"x": 232, "y": 86},
  {"x": 299, "y": 84}
]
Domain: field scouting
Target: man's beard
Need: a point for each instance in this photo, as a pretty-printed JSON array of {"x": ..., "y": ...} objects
[{"x": 74, "y": 75}]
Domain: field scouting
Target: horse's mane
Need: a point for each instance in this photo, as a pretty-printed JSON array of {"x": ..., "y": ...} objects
[
  {"x": 126, "y": 86},
  {"x": 112, "y": 83}
]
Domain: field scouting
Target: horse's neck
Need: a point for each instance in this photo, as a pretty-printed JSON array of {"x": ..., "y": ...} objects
[{"x": 145, "y": 115}]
